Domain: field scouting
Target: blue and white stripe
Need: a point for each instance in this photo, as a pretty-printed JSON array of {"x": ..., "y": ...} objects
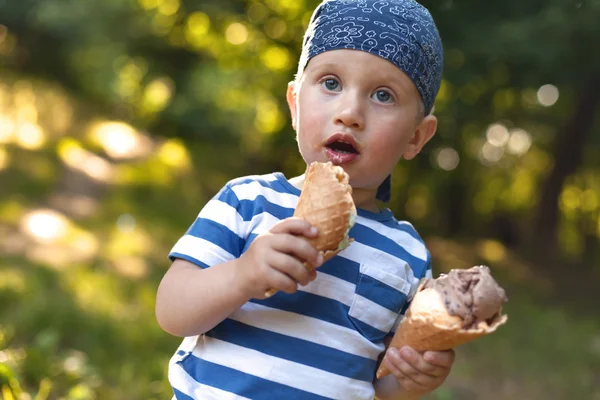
[{"x": 321, "y": 342}]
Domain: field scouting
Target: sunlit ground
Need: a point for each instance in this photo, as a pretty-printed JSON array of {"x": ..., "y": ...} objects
[{"x": 90, "y": 208}]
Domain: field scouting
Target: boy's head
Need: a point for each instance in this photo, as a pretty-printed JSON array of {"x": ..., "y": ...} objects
[
  {"x": 366, "y": 93},
  {"x": 400, "y": 31}
]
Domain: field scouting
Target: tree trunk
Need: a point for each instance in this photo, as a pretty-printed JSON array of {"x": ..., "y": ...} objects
[{"x": 568, "y": 155}]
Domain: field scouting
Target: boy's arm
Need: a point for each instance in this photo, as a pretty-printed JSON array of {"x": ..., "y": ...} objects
[
  {"x": 414, "y": 374},
  {"x": 192, "y": 300}
]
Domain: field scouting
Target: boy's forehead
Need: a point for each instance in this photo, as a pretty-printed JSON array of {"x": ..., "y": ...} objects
[
  {"x": 368, "y": 66},
  {"x": 342, "y": 55},
  {"x": 357, "y": 57}
]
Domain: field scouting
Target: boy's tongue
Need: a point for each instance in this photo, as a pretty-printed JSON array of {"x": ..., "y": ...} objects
[{"x": 339, "y": 157}]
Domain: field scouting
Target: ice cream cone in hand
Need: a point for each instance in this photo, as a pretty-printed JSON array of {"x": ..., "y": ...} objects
[
  {"x": 326, "y": 202},
  {"x": 451, "y": 310}
]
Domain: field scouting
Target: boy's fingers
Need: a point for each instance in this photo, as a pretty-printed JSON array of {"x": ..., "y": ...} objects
[
  {"x": 407, "y": 381},
  {"x": 418, "y": 361},
  {"x": 414, "y": 358},
  {"x": 280, "y": 281},
  {"x": 295, "y": 226},
  {"x": 443, "y": 359},
  {"x": 297, "y": 246},
  {"x": 411, "y": 370},
  {"x": 289, "y": 266},
  {"x": 391, "y": 360}
]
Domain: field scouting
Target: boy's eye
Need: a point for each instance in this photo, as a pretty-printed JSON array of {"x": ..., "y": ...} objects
[
  {"x": 331, "y": 84},
  {"x": 383, "y": 96}
]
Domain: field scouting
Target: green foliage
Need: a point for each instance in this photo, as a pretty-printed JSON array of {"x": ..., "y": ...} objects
[{"x": 85, "y": 334}]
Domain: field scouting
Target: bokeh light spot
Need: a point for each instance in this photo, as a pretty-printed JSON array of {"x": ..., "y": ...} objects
[
  {"x": 519, "y": 142},
  {"x": 547, "y": 95},
  {"x": 276, "y": 58},
  {"x": 492, "y": 250},
  {"x": 491, "y": 154},
  {"x": 497, "y": 135},
  {"x": 236, "y": 33},
  {"x": 269, "y": 118},
  {"x": 76, "y": 157},
  {"x": 30, "y": 136},
  {"x": 257, "y": 13},
  {"x": 7, "y": 129},
  {"x": 157, "y": 95},
  {"x": 448, "y": 159},
  {"x": 126, "y": 223},
  {"x": 174, "y": 154},
  {"x": 275, "y": 28},
  {"x": 46, "y": 225},
  {"x": 118, "y": 139}
]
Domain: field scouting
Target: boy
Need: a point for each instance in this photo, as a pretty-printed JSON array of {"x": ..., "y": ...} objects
[{"x": 366, "y": 83}]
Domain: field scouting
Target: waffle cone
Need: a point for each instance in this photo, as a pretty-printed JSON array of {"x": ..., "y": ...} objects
[
  {"x": 326, "y": 202},
  {"x": 428, "y": 326}
]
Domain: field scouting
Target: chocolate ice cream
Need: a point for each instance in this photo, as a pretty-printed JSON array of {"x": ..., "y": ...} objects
[
  {"x": 454, "y": 309},
  {"x": 471, "y": 294}
]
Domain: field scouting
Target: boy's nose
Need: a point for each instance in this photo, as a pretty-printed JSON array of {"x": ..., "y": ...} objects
[{"x": 349, "y": 112}]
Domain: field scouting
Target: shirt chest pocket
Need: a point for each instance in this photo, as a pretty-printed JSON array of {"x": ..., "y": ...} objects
[{"x": 377, "y": 301}]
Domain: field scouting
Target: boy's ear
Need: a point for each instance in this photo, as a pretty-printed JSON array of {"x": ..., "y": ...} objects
[
  {"x": 423, "y": 133},
  {"x": 291, "y": 100}
]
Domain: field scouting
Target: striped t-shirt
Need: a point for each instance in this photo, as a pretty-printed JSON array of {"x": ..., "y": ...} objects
[{"x": 321, "y": 342}]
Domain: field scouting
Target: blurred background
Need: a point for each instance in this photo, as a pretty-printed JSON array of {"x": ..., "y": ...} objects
[{"x": 119, "y": 119}]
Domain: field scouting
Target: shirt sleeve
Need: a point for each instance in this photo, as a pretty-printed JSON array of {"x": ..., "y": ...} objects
[{"x": 217, "y": 235}]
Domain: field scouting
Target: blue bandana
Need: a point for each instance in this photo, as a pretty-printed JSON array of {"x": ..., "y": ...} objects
[{"x": 400, "y": 31}]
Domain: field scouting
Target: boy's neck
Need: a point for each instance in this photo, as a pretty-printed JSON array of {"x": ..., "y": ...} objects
[{"x": 363, "y": 198}]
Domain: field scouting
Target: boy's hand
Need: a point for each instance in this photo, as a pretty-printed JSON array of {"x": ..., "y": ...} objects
[
  {"x": 417, "y": 372},
  {"x": 275, "y": 259}
]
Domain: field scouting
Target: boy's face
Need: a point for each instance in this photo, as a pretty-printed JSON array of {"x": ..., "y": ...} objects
[{"x": 358, "y": 111}]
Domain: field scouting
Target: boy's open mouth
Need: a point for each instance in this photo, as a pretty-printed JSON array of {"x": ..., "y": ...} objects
[
  {"x": 342, "y": 147},
  {"x": 342, "y": 143}
]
